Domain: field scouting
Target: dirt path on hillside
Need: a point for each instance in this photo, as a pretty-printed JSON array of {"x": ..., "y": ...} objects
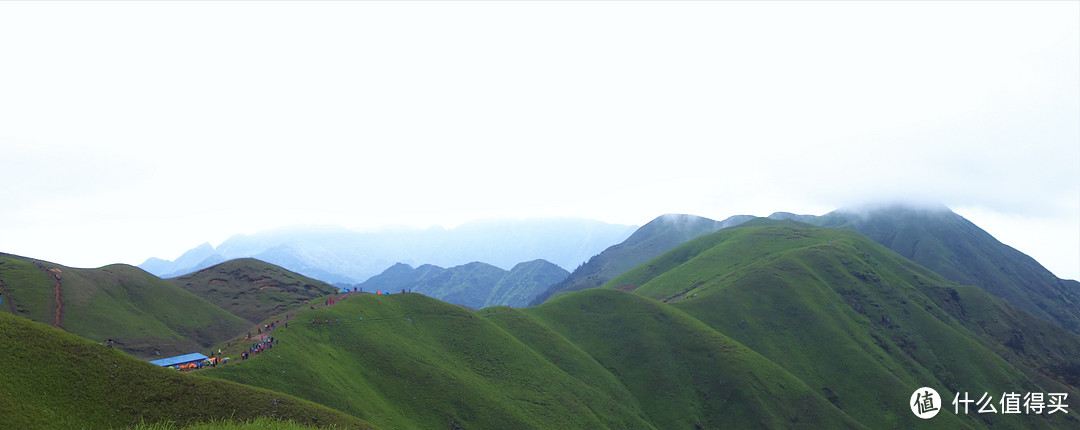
[
  {"x": 280, "y": 322},
  {"x": 261, "y": 336},
  {"x": 55, "y": 274},
  {"x": 59, "y": 307},
  {"x": 6, "y": 292}
]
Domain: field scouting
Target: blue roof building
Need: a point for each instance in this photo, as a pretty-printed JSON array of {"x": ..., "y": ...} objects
[{"x": 179, "y": 359}]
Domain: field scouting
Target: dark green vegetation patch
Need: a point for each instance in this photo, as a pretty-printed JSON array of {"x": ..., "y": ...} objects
[{"x": 252, "y": 289}]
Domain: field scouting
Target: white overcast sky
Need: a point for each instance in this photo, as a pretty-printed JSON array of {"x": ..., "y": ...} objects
[{"x": 138, "y": 129}]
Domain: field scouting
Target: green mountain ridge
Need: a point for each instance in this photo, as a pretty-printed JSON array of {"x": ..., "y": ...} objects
[
  {"x": 142, "y": 314},
  {"x": 683, "y": 373},
  {"x": 252, "y": 289},
  {"x": 859, "y": 322},
  {"x": 652, "y": 239},
  {"x": 789, "y": 322},
  {"x": 957, "y": 249},
  {"x": 773, "y": 324},
  {"x": 415, "y": 362}
]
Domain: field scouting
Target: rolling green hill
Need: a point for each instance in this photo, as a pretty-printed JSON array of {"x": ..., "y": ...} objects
[
  {"x": 952, "y": 246},
  {"x": 859, "y": 323},
  {"x": 475, "y": 285},
  {"x": 142, "y": 314},
  {"x": 770, "y": 324},
  {"x": 50, "y": 379},
  {"x": 596, "y": 359},
  {"x": 416, "y": 362},
  {"x": 682, "y": 373},
  {"x": 252, "y": 289},
  {"x": 652, "y": 239}
]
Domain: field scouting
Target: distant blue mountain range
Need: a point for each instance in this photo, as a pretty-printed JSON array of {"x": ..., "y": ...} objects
[{"x": 346, "y": 257}]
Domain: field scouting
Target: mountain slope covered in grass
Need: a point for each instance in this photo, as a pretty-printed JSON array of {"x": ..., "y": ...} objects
[
  {"x": 252, "y": 289},
  {"x": 652, "y": 239},
  {"x": 416, "y": 362},
  {"x": 142, "y": 314},
  {"x": 596, "y": 359},
  {"x": 50, "y": 379},
  {"x": 957, "y": 249},
  {"x": 682, "y": 373},
  {"x": 859, "y": 323},
  {"x": 775, "y": 323}
]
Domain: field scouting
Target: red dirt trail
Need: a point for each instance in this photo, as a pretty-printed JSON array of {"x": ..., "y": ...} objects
[{"x": 56, "y": 275}]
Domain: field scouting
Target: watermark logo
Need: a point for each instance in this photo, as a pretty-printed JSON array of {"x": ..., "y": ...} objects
[
  {"x": 1013, "y": 403},
  {"x": 925, "y": 403}
]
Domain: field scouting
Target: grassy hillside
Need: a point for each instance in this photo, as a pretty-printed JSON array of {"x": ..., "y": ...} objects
[
  {"x": 252, "y": 289},
  {"x": 416, "y": 362},
  {"x": 681, "y": 372},
  {"x": 255, "y": 424},
  {"x": 50, "y": 379},
  {"x": 855, "y": 321},
  {"x": 953, "y": 247},
  {"x": 475, "y": 285},
  {"x": 652, "y": 239},
  {"x": 596, "y": 359},
  {"x": 28, "y": 290},
  {"x": 139, "y": 312}
]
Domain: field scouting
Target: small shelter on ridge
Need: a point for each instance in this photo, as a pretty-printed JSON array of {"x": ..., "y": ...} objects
[{"x": 180, "y": 359}]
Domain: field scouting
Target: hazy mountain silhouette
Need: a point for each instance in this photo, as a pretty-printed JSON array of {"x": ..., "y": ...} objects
[{"x": 341, "y": 256}]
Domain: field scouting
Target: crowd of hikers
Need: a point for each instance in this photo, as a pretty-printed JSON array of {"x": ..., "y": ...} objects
[{"x": 258, "y": 347}]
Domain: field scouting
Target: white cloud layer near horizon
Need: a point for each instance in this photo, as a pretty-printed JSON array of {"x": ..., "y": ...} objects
[{"x": 131, "y": 130}]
